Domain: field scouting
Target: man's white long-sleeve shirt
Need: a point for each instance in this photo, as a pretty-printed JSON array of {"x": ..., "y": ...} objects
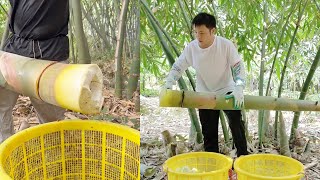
[{"x": 217, "y": 67}]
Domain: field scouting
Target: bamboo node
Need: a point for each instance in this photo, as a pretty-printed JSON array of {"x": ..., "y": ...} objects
[{"x": 182, "y": 99}]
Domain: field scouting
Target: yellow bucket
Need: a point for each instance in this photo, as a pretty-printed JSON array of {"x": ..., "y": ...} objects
[
  {"x": 72, "y": 149},
  {"x": 198, "y": 166},
  {"x": 268, "y": 167}
]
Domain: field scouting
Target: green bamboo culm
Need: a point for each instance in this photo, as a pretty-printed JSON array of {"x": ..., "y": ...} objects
[
  {"x": 284, "y": 143},
  {"x": 219, "y": 26},
  {"x": 185, "y": 17},
  {"x": 278, "y": 45},
  {"x": 225, "y": 129},
  {"x": 188, "y": 23},
  {"x": 135, "y": 66},
  {"x": 287, "y": 58},
  {"x": 245, "y": 121},
  {"x": 304, "y": 91},
  {"x": 263, "y": 51},
  {"x": 275, "y": 57}
]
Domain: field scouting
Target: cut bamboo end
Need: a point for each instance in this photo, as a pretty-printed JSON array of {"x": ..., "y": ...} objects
[
  {"x": 91, "y": 99},
  {"x": 170, "y": 98},
  {"x": 189, "y": 99},
  {"x": 79, "y": 87}
]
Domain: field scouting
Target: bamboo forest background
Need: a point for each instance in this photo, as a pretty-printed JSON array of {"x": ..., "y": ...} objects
[
  {"x": 257, "y": 28},
  {"x": 279, "y": 42}
]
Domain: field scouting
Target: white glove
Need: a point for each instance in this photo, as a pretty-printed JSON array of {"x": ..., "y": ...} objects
[
  {"x": 238, "y": 98},
  {"x": 170, "y": 81},
  {"x": 169, "y": 84}
]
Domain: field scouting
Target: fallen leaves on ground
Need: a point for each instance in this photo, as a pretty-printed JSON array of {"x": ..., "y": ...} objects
[{"x": 114, "y": 110}]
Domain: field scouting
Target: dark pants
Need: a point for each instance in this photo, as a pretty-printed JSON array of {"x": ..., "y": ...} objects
[{"x": 210, "y": 120}]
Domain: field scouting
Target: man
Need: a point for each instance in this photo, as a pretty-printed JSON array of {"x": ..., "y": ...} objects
[
  {"x": 219, "y": 69},
  {"x": 39, "y": 30}
]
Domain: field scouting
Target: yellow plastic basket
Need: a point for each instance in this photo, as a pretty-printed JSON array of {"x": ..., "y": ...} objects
[
  {"x": 268, "y": 167},
  {"x": 198, "y": 166},
  {"x": 72, "y": 150}
]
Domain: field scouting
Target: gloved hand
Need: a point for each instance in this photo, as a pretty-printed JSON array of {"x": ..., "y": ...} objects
[
  {"x": 238, "y": 98},
  {"x": 168, "y": 84}
]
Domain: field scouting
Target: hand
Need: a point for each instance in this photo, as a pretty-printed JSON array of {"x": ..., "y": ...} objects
[
  {"x": 168, "y": 85},
  {"x": 238, "y": 98}
]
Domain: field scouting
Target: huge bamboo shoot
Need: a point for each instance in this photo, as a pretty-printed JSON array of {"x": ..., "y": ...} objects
[
  {"x": 76, "y": 87},
  {"x": 190, "y": 99}
]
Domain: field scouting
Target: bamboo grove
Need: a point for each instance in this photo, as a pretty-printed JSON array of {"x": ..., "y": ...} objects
[{"x": 278, "y": 41}]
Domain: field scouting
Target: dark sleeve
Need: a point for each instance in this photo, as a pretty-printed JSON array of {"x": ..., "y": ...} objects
[
  {"x": 39, "y": 29},
  {"x": 40, "y": 19}
]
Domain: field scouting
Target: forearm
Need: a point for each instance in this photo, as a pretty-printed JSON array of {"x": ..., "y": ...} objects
[
  {"x": 239, "y": 74},
  {"x": 176, "y": 71}
]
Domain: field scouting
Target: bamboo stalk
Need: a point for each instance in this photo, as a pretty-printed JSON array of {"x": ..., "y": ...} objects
[
  {"x": 72, "y": 86},
  {"x": 261, "y": 79},
  {"x": 185, "y": 17},
  {"x": 287, "y": 57},
  {"x": 274, "y": 61},
  {"x": 245, "y": 121},
  {"x": 304, "y": 91},
  {"x": 290, "y": 48},
  {"x": 278, "y": 45},
  {"x": 119, "y": 48},
  {"x": 318, "y": 7},
  {"x": 135, "y": 65},
  {"x": 81, "y": 41},
  {"x": 215, "y": 12},
  {"x": 225, "y": 129},
  {"x": 190, "y": 99},
  {"x": 284, "y": 143}
]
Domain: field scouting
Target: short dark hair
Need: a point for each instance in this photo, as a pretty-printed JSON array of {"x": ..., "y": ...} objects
[{"x": 204, "y": 19}]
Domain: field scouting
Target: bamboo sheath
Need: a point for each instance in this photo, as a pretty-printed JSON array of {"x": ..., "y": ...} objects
[
  {"x": 76, "y": 87},
  {"x": 191, "y": 99}
]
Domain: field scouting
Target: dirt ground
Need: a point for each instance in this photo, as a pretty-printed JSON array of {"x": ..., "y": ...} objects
[{"x": 155, "y": 120}]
